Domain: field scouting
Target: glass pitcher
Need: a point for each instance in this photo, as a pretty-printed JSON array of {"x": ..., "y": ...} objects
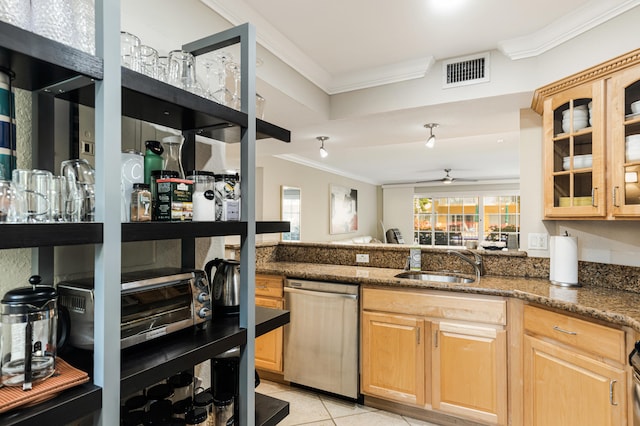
[{"x": 172, "y": 156}]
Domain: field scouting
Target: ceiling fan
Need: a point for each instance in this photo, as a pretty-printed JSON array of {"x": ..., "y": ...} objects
[{"x": 447, "y": 179}]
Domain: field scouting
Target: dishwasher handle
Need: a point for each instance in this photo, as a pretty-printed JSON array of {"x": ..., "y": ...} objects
[{"x": 321, "y": 293}]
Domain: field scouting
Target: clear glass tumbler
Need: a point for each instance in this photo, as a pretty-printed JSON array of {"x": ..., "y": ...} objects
[
  {"x": 129, "y": 50},
  {"x": 16, "y": 12},
  {"x": 148, "y": 61},
  {"x": 53, "y": 19},
  {"x": 182, "y": 71},
  {"x": 84, "y": 25}
]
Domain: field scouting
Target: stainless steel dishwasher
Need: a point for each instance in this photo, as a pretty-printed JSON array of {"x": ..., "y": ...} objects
[{"x": 321, "y": 339}]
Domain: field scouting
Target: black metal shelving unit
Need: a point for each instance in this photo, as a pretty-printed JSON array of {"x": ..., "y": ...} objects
[{"x": 51, "y": 68}]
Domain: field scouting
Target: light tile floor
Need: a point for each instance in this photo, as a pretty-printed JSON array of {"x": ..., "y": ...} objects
[{"x": 316, "y": 409}]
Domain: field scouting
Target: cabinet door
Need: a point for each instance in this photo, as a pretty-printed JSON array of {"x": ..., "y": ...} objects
[
  {"x": 268, "y": 350},
  {"x": 469, "y": 371},
  {"x": 574, "y": 173},
  {"x": 564, "y": 388},
  {"x": 393, "y": 357},
  {"x": 625, "y": 140}
]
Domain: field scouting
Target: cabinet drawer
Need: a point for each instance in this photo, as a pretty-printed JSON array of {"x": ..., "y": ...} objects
[
  {"x": 269, "y": 303},
  {"x": 440, "y": 305},
  {"x": 269, "y": 285},
  {"x": 587, "y": 336}
]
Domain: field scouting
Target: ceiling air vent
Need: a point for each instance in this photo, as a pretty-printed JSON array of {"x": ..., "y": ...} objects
[{"x": 467, "y": 70}]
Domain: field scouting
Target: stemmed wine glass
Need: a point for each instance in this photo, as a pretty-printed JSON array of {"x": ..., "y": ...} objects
[
  {"x": 222, "y": 94},
  {"x": 234, "y": 69}
]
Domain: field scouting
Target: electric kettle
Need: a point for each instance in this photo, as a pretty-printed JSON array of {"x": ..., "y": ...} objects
[
  {"x": 28, "y": 326},
  {"x": 225, "y": 285}
]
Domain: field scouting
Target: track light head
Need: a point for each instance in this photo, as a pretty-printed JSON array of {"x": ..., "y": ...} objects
[
  {"x": 323, "y": 152},
  {"x": 431, "y": 142}
]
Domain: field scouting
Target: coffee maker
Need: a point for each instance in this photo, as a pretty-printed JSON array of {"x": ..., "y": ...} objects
[{"x": 225, "y": 377}]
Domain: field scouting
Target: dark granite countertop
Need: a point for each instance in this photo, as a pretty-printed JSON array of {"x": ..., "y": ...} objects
[{"x": 613, "y": 306}]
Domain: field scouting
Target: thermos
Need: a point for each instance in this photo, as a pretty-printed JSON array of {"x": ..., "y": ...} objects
[{"x": 152, "y": 159}]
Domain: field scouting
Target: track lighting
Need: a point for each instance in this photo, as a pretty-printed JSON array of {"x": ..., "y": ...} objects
[
  {"x": 431, "y": 142},
  {"x": 323, "y": 152}
]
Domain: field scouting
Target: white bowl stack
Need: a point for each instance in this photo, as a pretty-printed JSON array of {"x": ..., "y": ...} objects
[
  {"x": 635, "y": 107},
  {"x": 581, "y": 116},
  {"x": 632, "y": 147},
  {"x": 579, "y": 161}
]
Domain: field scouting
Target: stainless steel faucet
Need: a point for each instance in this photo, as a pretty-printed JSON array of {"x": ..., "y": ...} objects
[{"x": 476, "y": 262}]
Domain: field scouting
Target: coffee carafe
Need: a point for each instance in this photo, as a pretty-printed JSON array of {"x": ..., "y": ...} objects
[
  {"x": 28, "y": 330},
  {"x": 225, "y": 285}
]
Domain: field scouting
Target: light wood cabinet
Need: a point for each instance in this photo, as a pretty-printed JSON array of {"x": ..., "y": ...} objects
[
  {"x": 436, "y": 350},
  {"x": 268, "y": 349},
  {"x": 574, "y": 371},
  {"x": 393, "y": 357},
  {"x": 469, "y": 371},
  {"x": 590, "y": 170}
]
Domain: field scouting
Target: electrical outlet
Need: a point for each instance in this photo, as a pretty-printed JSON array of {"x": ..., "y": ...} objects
[
  {"x": 538, "y": 241},
  {"x": 362, "y": 258}
]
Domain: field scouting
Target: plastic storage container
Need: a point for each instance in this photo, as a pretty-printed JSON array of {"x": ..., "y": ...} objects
[{"x": 203, "y": 197}]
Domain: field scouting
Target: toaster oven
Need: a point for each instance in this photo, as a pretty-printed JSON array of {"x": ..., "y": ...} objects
[{"x": 153, "y": 303}]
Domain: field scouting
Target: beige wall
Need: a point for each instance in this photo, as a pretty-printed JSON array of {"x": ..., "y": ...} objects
[{"x": 314, "y": 185}]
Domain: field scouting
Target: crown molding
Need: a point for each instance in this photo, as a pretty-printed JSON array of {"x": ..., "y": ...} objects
[
  {"x": 387, "y": 74},
  {"x": 237, "y": 12},
  {"x": 594, "y": 73},
  {"x": 575, "y": 23},
  {"x": 305, "y": 162},
  {"x": 561, "y": 30}
]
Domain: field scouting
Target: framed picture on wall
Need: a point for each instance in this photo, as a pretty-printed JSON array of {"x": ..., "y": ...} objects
[{"x": 344, "y": 210}]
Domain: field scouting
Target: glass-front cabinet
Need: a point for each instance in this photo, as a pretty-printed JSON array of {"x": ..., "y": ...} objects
[
  {"x": 625, "y": 139},
  {"x": 574, "y": 152},
  {"x": 591, "y": 123}
]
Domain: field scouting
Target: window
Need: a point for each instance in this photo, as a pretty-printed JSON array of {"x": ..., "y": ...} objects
[
  {"x": 451, "y": 221},
  {"x": 290, "y": 212}
]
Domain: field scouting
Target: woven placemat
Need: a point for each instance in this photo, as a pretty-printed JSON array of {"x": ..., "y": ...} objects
[{"x": 65, "y": 377}]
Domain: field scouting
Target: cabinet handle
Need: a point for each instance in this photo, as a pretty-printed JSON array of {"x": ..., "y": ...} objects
[
  {"x": 435, "y": 339},
  {"x": 417, "y": 335},
  {"x": 556, "y": 328},
  {"x": 615, "y": 196},
  {"x": 593, "y": 196},
  {"x": 611, "y": 383}
]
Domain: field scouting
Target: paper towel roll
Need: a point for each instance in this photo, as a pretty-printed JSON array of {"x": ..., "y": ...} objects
[{"x": 563, "y": 265}]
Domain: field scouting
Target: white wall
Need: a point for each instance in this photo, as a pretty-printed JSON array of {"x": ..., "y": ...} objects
[{"x": 397, "y": 210}]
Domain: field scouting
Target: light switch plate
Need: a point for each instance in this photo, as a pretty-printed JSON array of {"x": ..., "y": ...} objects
[
  {"x": 362, "y": 258},
  {"x": 538, "y": 241}
]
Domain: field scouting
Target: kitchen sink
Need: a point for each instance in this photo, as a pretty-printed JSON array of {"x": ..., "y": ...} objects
[{"x": 435, "y": 277}]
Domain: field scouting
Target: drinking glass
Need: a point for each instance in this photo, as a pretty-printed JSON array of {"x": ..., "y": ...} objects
[
  {"x": 58, "y": 195},
  {"x": 78, "y": 170},
  {"x": 163, "y": 69},
  {"x": 222, "y": 94},
  {"x": 129, "y": 45},
  {"x": 182, "y": 71},
  {"x": 84, "y": 24},
  {"x": 260, "y": 100},
  {"x": 34, "y": 186},
  {"x": 74, "y": 202},
  {"x": 16, "y": 12},
  {"x": 148, "y": 61},
  {"x": 12, "y": 205},
  {"x": 52, "y": 19},
  {"x": 234, "y": 69}
]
